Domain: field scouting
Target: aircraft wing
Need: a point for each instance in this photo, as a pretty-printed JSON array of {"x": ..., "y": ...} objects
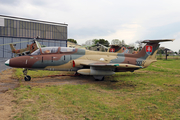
[
  {"x": 104, "y": 65},
  {"x": 116, "y": 65},
  {"x": 98, "y": 68}
]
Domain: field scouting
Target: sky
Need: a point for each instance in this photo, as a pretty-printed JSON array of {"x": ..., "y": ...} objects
[{"x": 128, "y": 20}]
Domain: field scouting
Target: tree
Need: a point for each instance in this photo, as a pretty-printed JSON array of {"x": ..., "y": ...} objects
[
  {"x": 140, "y": 44},
  {"x": 161, "y": 50},
  {"x": 95, "y": 41},
  {"x": 118, "y": 42},
  {"x": 115, "y": 42},
  {"x": 72, "y": 40},
  {"x": 123, "y": 42},
  {"x": 101, "y": 41},
  {"x": 89, "y": 42}
]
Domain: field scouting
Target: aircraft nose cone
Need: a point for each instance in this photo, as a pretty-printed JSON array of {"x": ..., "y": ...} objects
[{"x": 7, "y": 62}]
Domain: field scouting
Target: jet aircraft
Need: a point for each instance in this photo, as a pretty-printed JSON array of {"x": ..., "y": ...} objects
[
  {"x": 24, "y": 51},
  {"x": 86, "y": 62},
  {"x": 112, "y": 48}
]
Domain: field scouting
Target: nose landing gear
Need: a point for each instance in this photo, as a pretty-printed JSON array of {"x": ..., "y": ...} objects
[{"x": 27, "y": 77}]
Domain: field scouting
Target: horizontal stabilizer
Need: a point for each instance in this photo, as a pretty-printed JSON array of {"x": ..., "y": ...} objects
[{"x": 157, "y": 41}]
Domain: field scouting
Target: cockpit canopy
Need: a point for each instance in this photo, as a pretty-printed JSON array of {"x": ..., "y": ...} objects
[
  {"x": 66, "y": 49},
  {"x": 47, "y": 50}
]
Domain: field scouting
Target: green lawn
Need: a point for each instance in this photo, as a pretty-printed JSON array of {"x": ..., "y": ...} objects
[
  {"x": 18, "y": 74},
  {"x": 151, "y": 93}
]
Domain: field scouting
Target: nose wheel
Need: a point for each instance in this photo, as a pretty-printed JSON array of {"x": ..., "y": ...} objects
[{"x": 27, "y": 77}]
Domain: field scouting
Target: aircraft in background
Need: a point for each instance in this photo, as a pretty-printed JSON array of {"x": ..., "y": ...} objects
[
  {"x": 102, "y": 48},
  {"x": 120, "y": 49},
  {"x": 86, "y": 62},
  {"x": 24, "y": 51}
]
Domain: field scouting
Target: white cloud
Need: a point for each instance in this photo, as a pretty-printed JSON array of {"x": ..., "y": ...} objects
[
  {"x": 129, "y": 33},
  {"x": 130, "y": 20}
]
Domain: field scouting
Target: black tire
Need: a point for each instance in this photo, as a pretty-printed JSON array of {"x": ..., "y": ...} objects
[
  {"x": 100, "y": 79},
  {"x": 27, "y": 78}
]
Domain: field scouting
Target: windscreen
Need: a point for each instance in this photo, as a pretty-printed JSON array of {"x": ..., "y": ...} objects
[{"x": 37, "y": 52}]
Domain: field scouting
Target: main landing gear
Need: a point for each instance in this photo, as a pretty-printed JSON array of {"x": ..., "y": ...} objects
[
  {"x": 98, "y": 77},
  {"x": 27, "y": 77}
]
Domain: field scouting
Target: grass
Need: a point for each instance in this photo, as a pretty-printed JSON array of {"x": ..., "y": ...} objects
[
  {"x": 151, "y": 93},
  {"x": 170, "y": 57},
  {"x": 18, "y": 74}
]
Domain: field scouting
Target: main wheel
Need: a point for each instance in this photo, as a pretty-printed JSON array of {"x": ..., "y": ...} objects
[
  {"x": 27, "y": 78},
  {"x": 98, "y": 78}
]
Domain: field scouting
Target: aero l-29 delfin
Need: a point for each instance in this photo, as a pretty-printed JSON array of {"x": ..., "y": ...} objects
[{"x": 86, "y": 62}]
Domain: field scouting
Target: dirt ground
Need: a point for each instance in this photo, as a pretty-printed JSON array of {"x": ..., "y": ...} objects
[{"x": 7, "y": 83}]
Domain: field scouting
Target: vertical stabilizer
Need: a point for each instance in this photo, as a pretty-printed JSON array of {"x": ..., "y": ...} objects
[
  {"x": 149, "y": 51},
  {"x": 12, "y": 48}
]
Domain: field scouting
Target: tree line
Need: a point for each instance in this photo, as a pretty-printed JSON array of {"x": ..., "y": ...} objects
[{"x": 106, "y": 43}]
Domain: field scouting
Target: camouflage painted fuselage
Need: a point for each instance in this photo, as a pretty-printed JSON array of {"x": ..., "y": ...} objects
[
  {"x": 85, "y": 59},
  {"x": 85, "y": 62}
]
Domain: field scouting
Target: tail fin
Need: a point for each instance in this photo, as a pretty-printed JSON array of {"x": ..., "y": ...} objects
[
  {"x": 122, "y": 50},
  {"x": 12, "y": 48},
  {"x": 148, "y": 54},
  {"x": 149, "y": 50},
  {"x": 38, "y": 44},
  {"x": 118, "y": 49}
]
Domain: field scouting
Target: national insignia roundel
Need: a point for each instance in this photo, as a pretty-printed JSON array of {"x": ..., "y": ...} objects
[
  {"x": 112, "y": 50},
  {"x": 149, "y": 49}
]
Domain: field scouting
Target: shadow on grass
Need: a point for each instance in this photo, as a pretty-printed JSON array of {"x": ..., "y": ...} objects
[
  {"x": 121, "y": 81},
  {"x": 118, "y": 81}
]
